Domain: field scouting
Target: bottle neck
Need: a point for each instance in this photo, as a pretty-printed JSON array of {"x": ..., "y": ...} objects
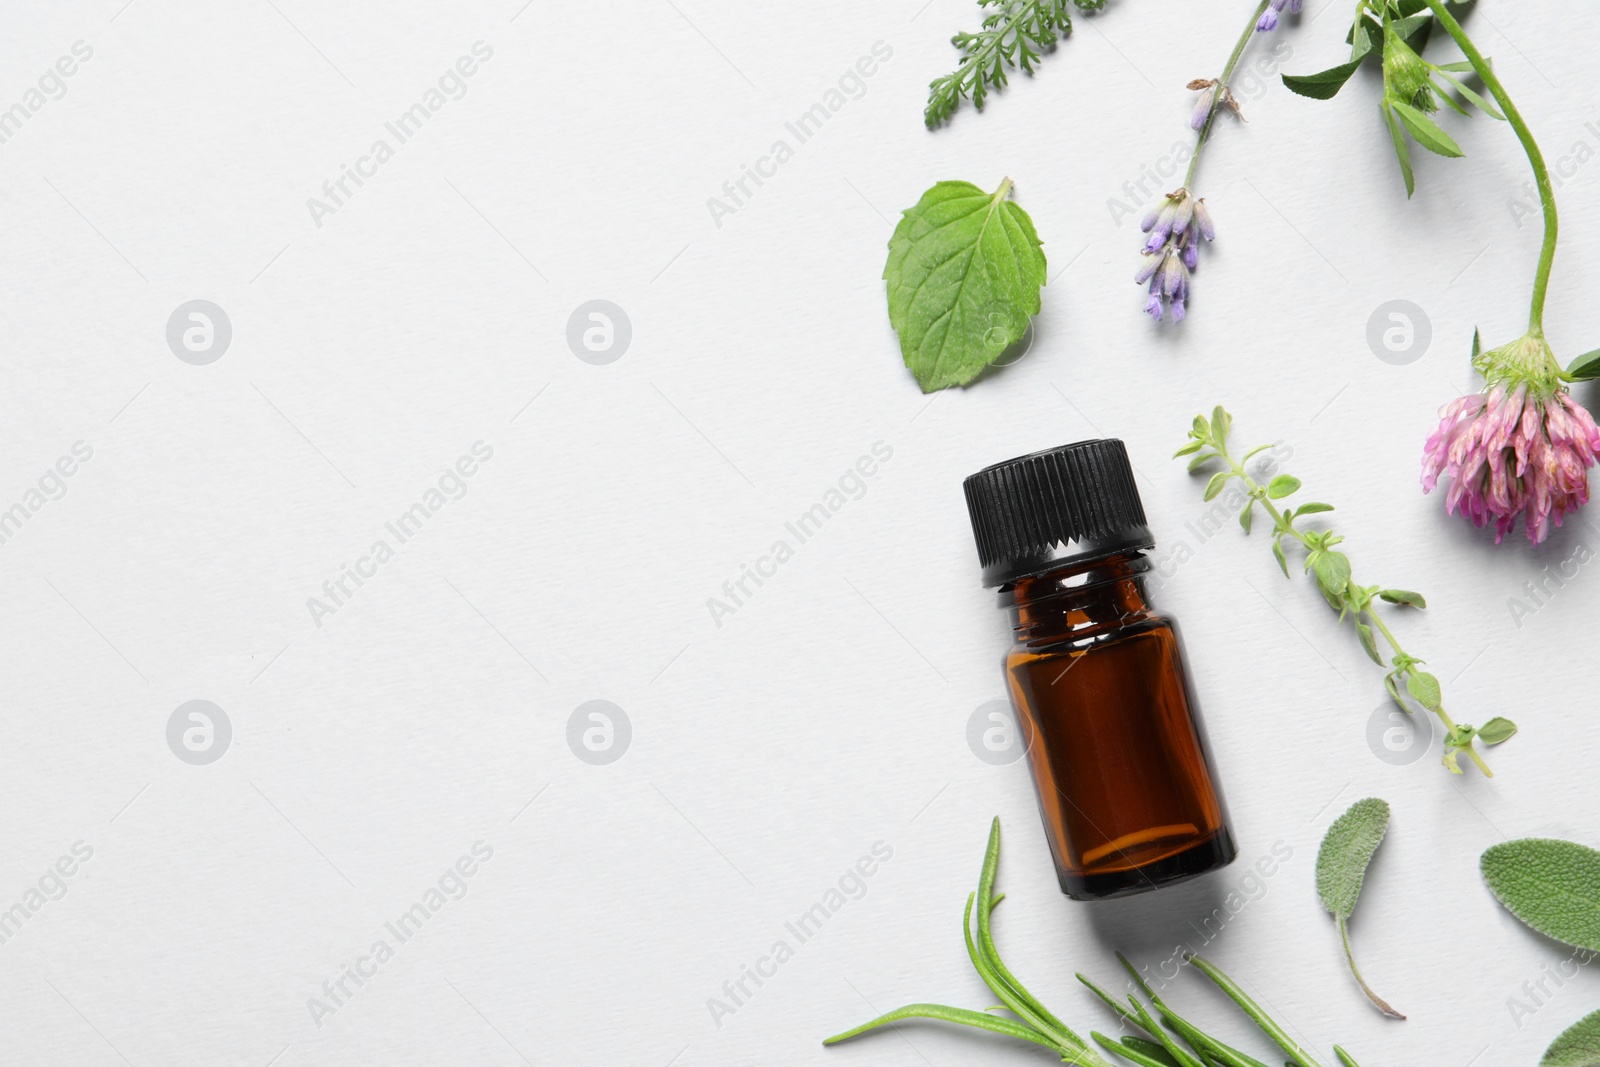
[{"x": 1078, "y": 599}]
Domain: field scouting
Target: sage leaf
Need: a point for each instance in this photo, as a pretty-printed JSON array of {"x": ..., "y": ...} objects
[
  {"x": 1427, "y": 132},
  {"x": 1553, "y": 886},
  {"x": 1342, "y": 862},
  {"x": 1586, "y": 367},
  {"x": 1325, "y": 83},
  {"x": 1576, "y": 1046},
  {"x": 1403, "y": 596},
  {"x": 1282, "y": 486},
  {"x": 963, "y": 275}
]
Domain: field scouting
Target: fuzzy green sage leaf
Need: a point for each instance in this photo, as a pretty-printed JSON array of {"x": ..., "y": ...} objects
[
  {"x": 1342, "y": 863},
  {"x": 1576, "y": 1046},
  {"x": 964, "y": 272},
  {"x": 1553, "y": 886}
]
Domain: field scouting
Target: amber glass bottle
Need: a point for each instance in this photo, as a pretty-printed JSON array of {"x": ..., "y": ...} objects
[{"x": 1119, "y": 756}]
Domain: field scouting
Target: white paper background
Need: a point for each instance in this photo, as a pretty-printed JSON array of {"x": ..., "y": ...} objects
[{"x": 829, "y": 713}]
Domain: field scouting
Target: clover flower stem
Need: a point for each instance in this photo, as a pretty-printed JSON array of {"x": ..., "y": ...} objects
[
  {"x": 1222, "y": 92},
  {"x": 1258, "y": 492},
  {"x": 1541, "y": 176}
]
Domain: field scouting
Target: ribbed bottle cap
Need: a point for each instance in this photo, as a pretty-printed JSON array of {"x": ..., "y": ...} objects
[{"x": 1037, "y": 512}]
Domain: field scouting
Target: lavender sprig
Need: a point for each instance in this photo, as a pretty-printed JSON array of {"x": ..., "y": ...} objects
[{"x": 1176, "y": 225}]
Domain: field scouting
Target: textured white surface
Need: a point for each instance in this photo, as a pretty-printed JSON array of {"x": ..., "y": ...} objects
[{"x": 768, "y": 754}]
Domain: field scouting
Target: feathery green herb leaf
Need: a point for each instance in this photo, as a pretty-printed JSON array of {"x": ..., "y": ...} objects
[{"x": 1015, "y": 33}]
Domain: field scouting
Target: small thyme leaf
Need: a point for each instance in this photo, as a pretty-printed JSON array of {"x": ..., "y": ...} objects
[
  {"x": 1282, "y": 486},
  {"x": 1425, "y": 687},
  {"x": 1496, "y": 730},
  {"x": 1342, "y": 863},
  {"x": 1403, "y": 596}
]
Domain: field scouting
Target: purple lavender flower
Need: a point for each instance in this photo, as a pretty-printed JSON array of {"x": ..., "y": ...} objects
[
  {"x": 1175, "y": 226},
  {"x": 1269, "y": 17},
  {"x": 1202, "y": 103}
]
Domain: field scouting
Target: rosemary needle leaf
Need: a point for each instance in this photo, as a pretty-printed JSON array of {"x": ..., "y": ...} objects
[
  {"x": 1135, "y": 1053},
  {"x": 1111, "y": 1002},
  {"x": 949, "y": 1015},
  {"x": 1300, "y": 1057},
  {"x": 1345, "y": 1058}
]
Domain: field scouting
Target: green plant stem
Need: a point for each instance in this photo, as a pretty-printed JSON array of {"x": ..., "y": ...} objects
[
  {"x": 1222, "y": 91},
  {"x": 1382, "y": 1005},
  {"x": 1258, "y": 492},
  {"x": 1541, "y": 176}
]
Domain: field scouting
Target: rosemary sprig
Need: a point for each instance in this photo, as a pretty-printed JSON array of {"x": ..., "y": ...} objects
[
  {"x": 1208, "y": 441},
  {"x": 1173, "y": 1041},
  {"x": 1015, "y": 33}
]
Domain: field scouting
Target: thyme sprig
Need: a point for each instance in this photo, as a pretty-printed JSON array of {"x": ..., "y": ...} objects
[
  {"x": 1208, "y": 443},
  {"x": 1169, "y": 1038}
]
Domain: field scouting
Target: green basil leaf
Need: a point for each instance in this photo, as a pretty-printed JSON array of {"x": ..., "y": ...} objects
[
  {"x": 1576, "y": 1046},
  {"x": 964, "y": 272},
  {"x": 1346, "y": 852},
  {"x": 1324, "y": 84},
  {"x": 1404, "y": 596},
  {"x": 1553, "y": 886},
  {"x": 1425, "y": 130},
  {"x": 1586, "y": 367},
  {"x": 1282, "y": 486}
]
